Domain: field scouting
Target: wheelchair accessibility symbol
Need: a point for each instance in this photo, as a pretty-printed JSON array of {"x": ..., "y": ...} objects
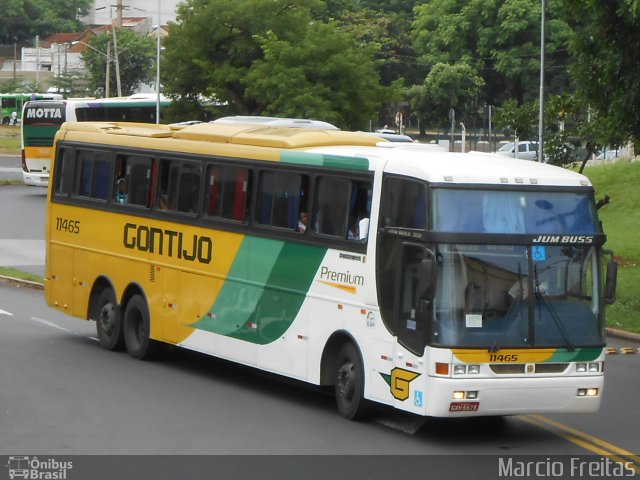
[{"x": 539, "y": 253}]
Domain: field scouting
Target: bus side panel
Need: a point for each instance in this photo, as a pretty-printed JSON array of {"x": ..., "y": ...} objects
[
  {"x": 80, "y": 284},
  {"x": 61, "y": 280}
]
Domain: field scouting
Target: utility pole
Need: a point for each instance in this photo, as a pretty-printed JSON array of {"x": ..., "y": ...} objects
[
  {"x": 15, "y": 56},
  {"x": 119, "y": 14},
  {"x": 117, "y": 62},
  {"x": 541, "y": 114}
]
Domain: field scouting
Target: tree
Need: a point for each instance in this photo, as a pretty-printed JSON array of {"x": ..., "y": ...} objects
[
  {"x": 517, "y": 119},
  {"x": 447, "y": 86},
  {"x": 136, "y": 58},
  {"x": 214, "y": 44},
  {"x": 327, "y": 74},
  {"x": 24, "y": 19},
  {"x": 499, "y": 38},
  {"x": 271, "y": 56},
  {"x": 606, "y": 70}
]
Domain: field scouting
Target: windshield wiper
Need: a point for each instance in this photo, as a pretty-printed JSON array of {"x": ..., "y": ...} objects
[
  {"x": 540, "y": 295},
  {"x": 509, "y": 318}
]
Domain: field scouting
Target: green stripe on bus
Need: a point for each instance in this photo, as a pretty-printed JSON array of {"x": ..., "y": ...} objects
[
  {"x": 322, "y": 160},
  {"x": 264, "y": 290},
  {"x": 577, "y": 355}
]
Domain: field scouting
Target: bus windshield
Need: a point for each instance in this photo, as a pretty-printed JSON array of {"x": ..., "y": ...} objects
[
  {"x": 495, "y": 296},
  {"x": 513, "y": 212}
]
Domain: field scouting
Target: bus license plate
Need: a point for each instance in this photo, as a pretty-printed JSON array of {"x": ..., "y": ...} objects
[{"x": 464, "y": 406}]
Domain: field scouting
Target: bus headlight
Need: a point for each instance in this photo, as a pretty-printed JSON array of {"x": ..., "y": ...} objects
[
  {"x": 581, "y": 367},
  {"x": 459, "y": 369},
  {"x": 588, "y": 392},
  {"x": 473, "y": 369},
  {"x": 594, "y": 367}
]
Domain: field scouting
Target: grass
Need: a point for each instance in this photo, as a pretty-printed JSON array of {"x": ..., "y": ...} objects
[
  {"x": 13, "y": 273},
  {"x": 621, "y": 222},
  {"x": 9, "y": 140}
]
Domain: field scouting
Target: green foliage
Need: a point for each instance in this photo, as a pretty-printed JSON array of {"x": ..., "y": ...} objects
[
  {"x": 275, "y": 57},
  {"x": 447, "y": 86},
  {"x": 517, "y": 120},
  {"x": 499, "y": 38},
  {"x": 620, "y": 182},
  {"x": 222, "y": 39},
  {"x": 24, "y": 19},
  {"x": 136, "y": 56},
  {"x": 606, "y": 70},
  {"x": 326, "y": 75}
]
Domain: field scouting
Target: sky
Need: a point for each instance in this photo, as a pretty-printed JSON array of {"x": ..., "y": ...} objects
[{"x": 105, "y": 10}]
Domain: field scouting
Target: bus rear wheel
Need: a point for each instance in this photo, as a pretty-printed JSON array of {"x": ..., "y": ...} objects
[
  {"x": 349, "y": 384},
  {"x": 137, "y": 328},
  {"x": 108, "y": 320}
]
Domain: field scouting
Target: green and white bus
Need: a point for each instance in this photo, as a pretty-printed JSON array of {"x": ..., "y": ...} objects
[
  {"x": 441, "y": 284},
  {"x": 41, "y": 119}
]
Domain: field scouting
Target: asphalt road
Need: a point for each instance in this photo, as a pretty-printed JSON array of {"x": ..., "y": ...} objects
[
  {"x": 22, "y": 219},
  {"x": 10, "y": 167}
]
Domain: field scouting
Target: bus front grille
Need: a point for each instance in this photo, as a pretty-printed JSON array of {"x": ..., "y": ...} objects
[{"x": 525, "y": 368}]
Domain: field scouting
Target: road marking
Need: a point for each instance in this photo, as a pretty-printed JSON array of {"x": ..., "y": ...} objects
[
  {"x": 4, "y": 312},
  {"x": 51, "y": 324},
  {"x": 584, "y": 440}
]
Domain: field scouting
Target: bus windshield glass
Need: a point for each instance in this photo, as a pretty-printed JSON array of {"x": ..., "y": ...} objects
[
  {"x": 513, "y": 212},
  {"x": 499, "y": 296}
]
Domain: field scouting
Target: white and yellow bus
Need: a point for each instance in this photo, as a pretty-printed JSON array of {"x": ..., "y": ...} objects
[{"x": 441, "y": 284}]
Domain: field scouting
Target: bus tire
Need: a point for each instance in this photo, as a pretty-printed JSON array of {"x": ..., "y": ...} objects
[
  {"x": 349, "y": 384},
  {"x": 5, "y": 120},
  {"x": 108, "y": 320},
  {"x": 136, "y": 329}
]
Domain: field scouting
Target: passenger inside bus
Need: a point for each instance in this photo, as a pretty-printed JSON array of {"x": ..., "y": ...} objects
[{"x": 121, "y": 190}]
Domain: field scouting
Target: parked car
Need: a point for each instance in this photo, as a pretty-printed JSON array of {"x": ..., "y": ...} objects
[
  {"x": 610, "y": 153},
  {"x": 527, "y": 150}
]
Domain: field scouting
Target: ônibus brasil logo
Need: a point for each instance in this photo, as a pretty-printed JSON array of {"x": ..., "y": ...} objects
[{"x": 37, "y": 469}]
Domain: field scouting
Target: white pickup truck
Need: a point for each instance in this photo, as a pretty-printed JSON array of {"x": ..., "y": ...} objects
[{"x": 527, "y": 150}]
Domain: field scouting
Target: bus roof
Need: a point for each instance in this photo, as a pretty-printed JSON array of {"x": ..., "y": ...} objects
[{"x": 425, "y": 162}]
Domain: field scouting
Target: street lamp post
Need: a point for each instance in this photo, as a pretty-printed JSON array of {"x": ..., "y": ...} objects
[
  {"x": 541, "y": 113},
  {"x": 158, "y": 64}
]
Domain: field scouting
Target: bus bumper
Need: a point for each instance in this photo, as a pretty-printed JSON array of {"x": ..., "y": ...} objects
[
  {"x": 513, "y": 396},
  {"x": 35, "y": 179}
]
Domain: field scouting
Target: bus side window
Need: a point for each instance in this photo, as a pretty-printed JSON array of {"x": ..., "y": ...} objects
[
  {"x": 281, "y": 198},
  {"x": 179, "y": 186},
  {"x": 404, "y": 204},
  {"x": 133, "y": 180},
  {"x": 331, "y": 206},
  {"x": 93, "y": 174},
  {"x": 63, "y": 172},
  {"x": 227, "y": 192},
  {"x": 342, "y": 206}
]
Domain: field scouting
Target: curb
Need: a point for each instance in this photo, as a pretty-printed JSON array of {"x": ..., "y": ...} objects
[
  {"x": 17, "y": 282},
  {"x": 635, "y": 337}
]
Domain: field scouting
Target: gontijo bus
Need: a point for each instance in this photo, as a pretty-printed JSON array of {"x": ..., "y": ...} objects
[
  {"x": 41, "y": 119},
  {"x": 440, "y": 284}
]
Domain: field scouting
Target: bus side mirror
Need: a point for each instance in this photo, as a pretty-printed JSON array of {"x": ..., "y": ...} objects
[{"x": 611, "y": 280}]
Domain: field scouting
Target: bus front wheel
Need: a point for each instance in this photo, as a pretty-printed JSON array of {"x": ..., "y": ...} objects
[
  {"x": 349, "y": 384},
  {"x": 136, "y": 329},
  {"x": 108, "y": 321}
]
